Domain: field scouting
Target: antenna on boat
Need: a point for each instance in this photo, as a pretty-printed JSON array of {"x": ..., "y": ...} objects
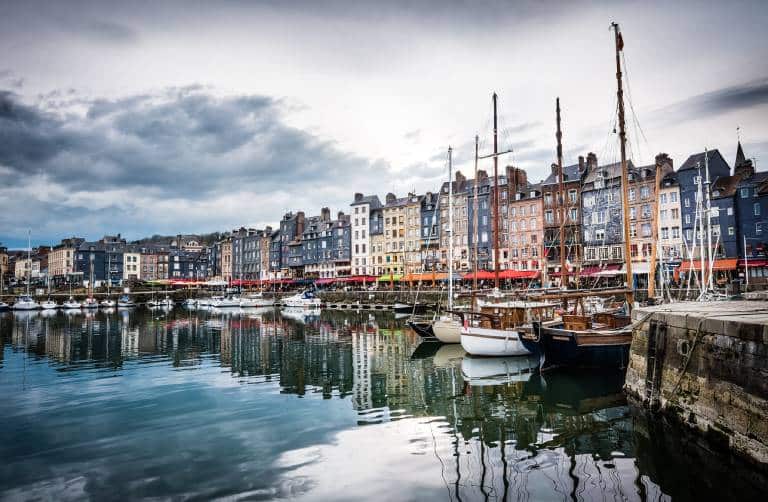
[{"x": 630, "y": 295}]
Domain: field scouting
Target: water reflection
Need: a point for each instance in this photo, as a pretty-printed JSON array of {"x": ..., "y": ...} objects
[{"x": 204, "y": 404}]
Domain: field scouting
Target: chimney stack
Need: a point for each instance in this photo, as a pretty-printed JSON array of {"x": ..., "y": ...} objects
[
  {"x": 591, "y": 162},
  {"x": 582, "y": 166}
]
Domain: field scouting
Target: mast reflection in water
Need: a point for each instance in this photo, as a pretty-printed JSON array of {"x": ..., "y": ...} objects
[{"x": 255, "y": 404}]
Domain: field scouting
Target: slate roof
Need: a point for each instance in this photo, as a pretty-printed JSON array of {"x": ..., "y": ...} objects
[
  {"x": 571, "y": 174},
  {"x": 697, "y": 159},
  {"x": 614, "y": 171},
  {"x": 373, "y": 200}
]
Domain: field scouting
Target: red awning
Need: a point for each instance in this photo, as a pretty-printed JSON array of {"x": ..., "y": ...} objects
[
  {"x": 328, "y": 280},
  {"x": 724, "y": 264},
  {"x": 754, "y": 263},
  {"x": 481, "y": 274},
  {"x": 518, "y": 274}
]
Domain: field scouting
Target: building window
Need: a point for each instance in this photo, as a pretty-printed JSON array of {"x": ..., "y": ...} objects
[
  {"x": 687, "y": 202},
  {"x": 687, "y": 219},
  {"x": 744, "y": 193},
  {"x": 731, "y": 230},
  {"x": 759, "y": 228},
  {"x": 757, "y": 208}
]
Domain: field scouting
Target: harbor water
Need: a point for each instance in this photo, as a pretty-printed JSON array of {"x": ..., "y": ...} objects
[{"x": 261, "y": 404}]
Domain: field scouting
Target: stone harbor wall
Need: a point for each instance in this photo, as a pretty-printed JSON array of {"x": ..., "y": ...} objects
[{"x": 705, "y": 365}]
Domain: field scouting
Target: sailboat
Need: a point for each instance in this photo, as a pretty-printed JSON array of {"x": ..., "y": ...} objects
[
  {"x": 49, "y": 304},
  {"x": 598, "y": 340},
  {"x": 108, "y": 302},
  {"x": 90, "y": 302},
  {"x": 495, "y": 330},
  {"x": 71, "y": 303},
  {"x": 26, "y": 302},
  {"x": 446, "y": 328}
]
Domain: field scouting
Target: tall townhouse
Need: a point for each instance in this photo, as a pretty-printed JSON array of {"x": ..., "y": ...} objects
[
  {"x": 516, "y": 182},
  {"x": 563, "y": 209},
  {"x": 61, "y": 260},
  {"x": 245, "y": 242},
  {"x": 525, "y": 221},
  {"x": 153, "y": 262},
  {"x": 641, "y": 195},
  {"x": 265, "y": 240},
  {"x": 751, "y": 209},
  {"x": 430, "y": 232},
  {"x": 360, "y": 215},
  {"x": 413, "y": 262},
  {"x": 326, "y": 246},
  {"x": 3, "y": 262},
  {"x": 377, "y": 251},
  {"x": 394, "y": 234},
  {"x": 188, "y": 264},
  {"x": 131, "y": 263},
  {"x": 670, "y": 234},
  {"x": 106, "y": 256},
  {"x": 291, "y": 230},
  {"x": 275, "y": 255},
  {"x": 602, "y": 216},
  {"x": 226, "y": 260},
  {"x": 461, "y": 253},
  {"x": 480, "y": 225},
  {"x": 692, "y": 179}
]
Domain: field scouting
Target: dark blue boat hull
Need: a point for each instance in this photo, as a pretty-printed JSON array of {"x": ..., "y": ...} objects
[{"x": 559, "y": 349}]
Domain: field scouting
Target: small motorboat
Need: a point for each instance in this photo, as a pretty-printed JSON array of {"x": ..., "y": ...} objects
[
  {"x": 307, "y": 299},
  {"x": 90, "y": 303},
  {"x": 125, "y": 301},
  {"x": 190, "y": 303},
  {"x": 25, "y": 302},
  {"x": 4, "y": 306},
  {"x": 49, "y": 305},
  {"x": 71, "y": 304},
  {"x": 108, "y": 303}
]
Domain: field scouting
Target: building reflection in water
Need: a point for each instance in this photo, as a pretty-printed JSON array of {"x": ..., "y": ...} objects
[{"x": 496, "y": 426}]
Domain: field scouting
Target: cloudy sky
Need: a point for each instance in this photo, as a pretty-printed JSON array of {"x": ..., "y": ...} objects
[{"x": 184, "y": 116}]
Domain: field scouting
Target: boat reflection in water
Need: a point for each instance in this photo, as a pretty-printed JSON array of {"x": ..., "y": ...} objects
[
  {"x": 251, "y": 403},
  {"x": 480, "y": 371}
]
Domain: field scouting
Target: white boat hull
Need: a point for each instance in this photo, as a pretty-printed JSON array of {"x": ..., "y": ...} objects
[
  {"x": 26, "y": 306},
  {"x": 447, "y": 330},
  {"x": 256, "y": 302},
  {"x": 71, "y": 306},
  {"x": 49, "y": 305},
  {"x": 492, "y": 342}
]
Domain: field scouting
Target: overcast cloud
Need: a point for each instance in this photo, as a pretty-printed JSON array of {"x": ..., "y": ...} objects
[{"x": 165, "y": 117}]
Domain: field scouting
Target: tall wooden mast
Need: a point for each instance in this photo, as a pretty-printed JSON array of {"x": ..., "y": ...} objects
[
  {"x": 561, "y": 202},
  {"x": 475, "y": 219},
  {"x": 495, "y": 214},
  {"x": 624, "y": 175},
  {"x": 654, "y": 233}
]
